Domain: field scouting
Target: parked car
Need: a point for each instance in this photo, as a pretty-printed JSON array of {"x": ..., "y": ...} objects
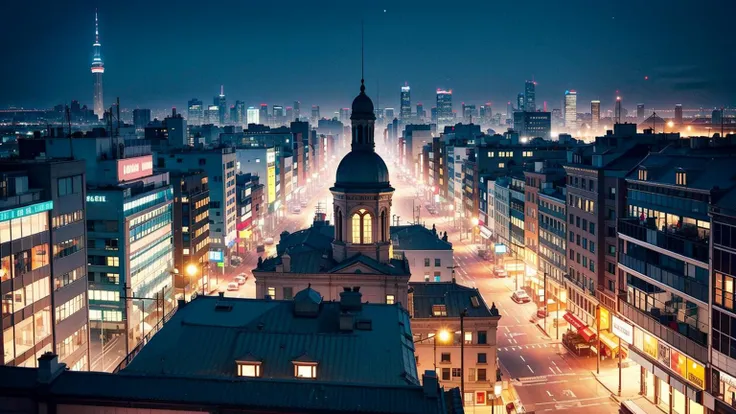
[
  {"x": 233, "y": 286},
  {"x": 520, "y": 297},
  {"x": 500, "y": 271},
  {"x": 542, "y": 312},
  {"x": 303, "y": 204},
  {"x": 241, "y": 278}
]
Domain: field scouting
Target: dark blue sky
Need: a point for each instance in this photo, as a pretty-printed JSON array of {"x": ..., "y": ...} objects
[{"x": 162, "y": 53}]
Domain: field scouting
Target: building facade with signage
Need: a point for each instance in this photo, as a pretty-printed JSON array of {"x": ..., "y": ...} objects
[
  {"x": 191, "y": 232},
  {"x": 43, "y": 271},
  {"x": 250, "y": 212},
  {"x": 219, "y": 166},
  {"x": 265, "y": 163}
]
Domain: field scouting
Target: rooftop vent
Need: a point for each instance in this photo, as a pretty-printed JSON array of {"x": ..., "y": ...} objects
[{"x": 364, "y": 325}]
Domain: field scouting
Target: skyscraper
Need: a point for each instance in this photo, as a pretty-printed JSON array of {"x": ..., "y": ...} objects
[
  {"x": 279, "y": 116},
  {"x": 444, "y": 108},
  {"x": 469, "y": 114},
  {"x": 421, "y": 114},
  {"x": 297, "y": 110},
  {"x": 520, "y": 101},
  {"x": 253, "y": 115},
  {"x": 141, "y": 118},
  {"x": 509, "y": 111},
  {"x": 221, "y": 103},
  {"x": 640, "y": 112},
  {"x": 595, "y": 112},
  {"x": 530, "y": 104},
  {"x": 405, "y": 102},
  {"x": 315, "y": 115},
  {"x": 678, "y": 114},
  {"x": 617, "y": 111},
  {"x": 240, "y": 111},
  {"x": 716, "y": 118},
  {"x": 345, "y": 115},
  {"x": 195, "y": 112},
  {"x": 571, "y": 111},
  {"x": 289, "y": 114},
  {"x": 486, "y": 113},
  {"x": 263, "y": 115},
  {"x": 98, "y": 68}
]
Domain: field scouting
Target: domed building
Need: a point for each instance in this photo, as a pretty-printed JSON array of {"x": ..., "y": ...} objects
[{"x": 355, "y": 250}]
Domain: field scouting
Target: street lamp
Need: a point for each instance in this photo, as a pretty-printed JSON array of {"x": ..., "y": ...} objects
[
  {"x": 192, "y": 270},
  {"x": 443, "y": 336}
]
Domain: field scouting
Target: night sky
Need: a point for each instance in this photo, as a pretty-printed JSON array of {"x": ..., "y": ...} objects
[{"x": 162, "y": 53}]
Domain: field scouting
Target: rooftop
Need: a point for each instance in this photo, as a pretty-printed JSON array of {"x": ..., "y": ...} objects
[
  {"x": 207, "y": 336},
  {"x": 417, "y": 237},
  {"x": 704, "y": 172},
  {"x": 455, "y": 298}
]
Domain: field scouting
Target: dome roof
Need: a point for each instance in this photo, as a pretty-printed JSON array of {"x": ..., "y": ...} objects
[
  {"x": 362, "y": 104},
  {"x": 362, "y": 169}
]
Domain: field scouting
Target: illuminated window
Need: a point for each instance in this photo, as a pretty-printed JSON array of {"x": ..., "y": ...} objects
[
  {"x": 501, "y": 165},
  {"x": 249, "y": 369},
  {"x": 439, "y": 310},
  {"x": 362, "y": 226},
  {"x": 680, "y": 177},
  {"x": 272, "y": 292},
  {"x": 390, "y": 299},
  {"x": 642, "y": 174},
  {"x": 305, "y": 370}
]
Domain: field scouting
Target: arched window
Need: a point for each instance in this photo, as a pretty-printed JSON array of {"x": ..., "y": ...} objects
[
  {"x": 383, "y": 225},
  {"x": 338, "y": 226},
  {"x": 362, "y": 225}
]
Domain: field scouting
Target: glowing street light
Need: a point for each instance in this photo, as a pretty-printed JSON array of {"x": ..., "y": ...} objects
[
  {"x": 475, "y": 221},
  {"x": 192, "y": 270}
]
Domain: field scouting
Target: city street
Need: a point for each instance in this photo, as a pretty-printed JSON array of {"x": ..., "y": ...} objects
[{"x": 545, "y": 376}]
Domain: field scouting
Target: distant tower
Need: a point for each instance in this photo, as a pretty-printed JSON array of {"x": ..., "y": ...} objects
[
  {"x": 595, "y": 112},
  {"x": 405, "y": 102},
  {"x": 530, "y": 100},
  {"x": 640, "y": 115},
  {"x": 571, "y": 111},
  {"x": 678, "y": 114},
  {"x": 221, "y": 103},
  {"x": 98, "y": 68},
  {"x": 297, "y": 110},
  {"x": 617, "y": 110},
  {"x": 520, "y": 101}
]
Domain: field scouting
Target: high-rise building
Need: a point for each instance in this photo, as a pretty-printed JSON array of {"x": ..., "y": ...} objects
[
  {"x": 239, "y": 113},
  {"x": 315, "y": 115},
  {"x": 44, "y": 262},
  {"x": 98, "y": 68},
  {"x": 678, "y": 114},
  {"x": 389, "y": 113},
  {"x": 212, "y": 115},
  {"x": 469, "y": 114},
  {"x": 445, "y": 116},
  {"x": 509, "y": 111},
  {"x": 405, "y": 102},
  {"x": 617, "y": 111},
  {"x": 486, "y": 113},
  {"x": 195, "y": 112},
  {"x": 253, "y": 115},
  {"x": 289, "y": 114},
  {"x": 264, "y": 114},
  {"x": 530, "y": 103},
  {"x": 640, "y": 115},
  {"x": 533, "y": 124},
  {"x": 221, "y": 103},
  {"x": 279, "y": 116},
  {"x": 421, "y": 113},
  {"x": 176, "y": 130},
  {"x": 297, "y": 110},
  {"x": 716, "y": 118},
  {"x": 595, "y": 113},
  {"x": 571, "y": 111},
  {"x": 520, "y": 101},
  {"x": 141, "y": 118},
  {"x": 345, "y": 115}
]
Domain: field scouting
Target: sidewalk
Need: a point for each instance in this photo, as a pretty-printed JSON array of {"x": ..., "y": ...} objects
[{"x": 630, "y": 381}]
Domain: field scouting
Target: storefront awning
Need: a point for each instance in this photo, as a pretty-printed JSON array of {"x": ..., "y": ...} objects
[
  {"x": 587, "y": 334},
  {"x": 485, "y": 232},
  {"x": 610, "y": 340},
  {"x": 573, "y": 320}
]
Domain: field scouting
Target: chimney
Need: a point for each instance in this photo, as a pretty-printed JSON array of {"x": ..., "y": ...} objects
[
  {"x": 286, "y": 262},
  {"x": 49, "y": 368},
  {"x": 350, "y": 299},
  {"x": 430, "y": 383}
]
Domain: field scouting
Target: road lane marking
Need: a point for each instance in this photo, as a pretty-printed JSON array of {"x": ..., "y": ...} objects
[
  {"x": 522, "y": 358},
  {"x": 558, "y": 369},
  {"x": 549, "y": 393},
  {"x": 530, "y": 368}
]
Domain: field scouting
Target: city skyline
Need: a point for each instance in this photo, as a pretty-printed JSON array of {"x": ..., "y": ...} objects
[{"x": 616, "y": 63}]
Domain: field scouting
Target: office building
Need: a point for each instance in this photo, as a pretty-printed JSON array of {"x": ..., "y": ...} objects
[
  {"x": 421, "y": 113},
  {"x": 176, "y": 130},
  {"x": 435, "y": 310},
  {"x": 221, "y": 104},
  {"x": 530, "y": 100},
  {"x": 678, "y": 114},
  {"x": 344, "y": 115},
  {"x": 531, "y": 125},
  {"x": 716, "y": 118},
  {"x": 315, "y": 115},
  {"x": 595, "y": 113},
  {"x": 219, "y": 166},
  {"x": 571, "y": 111},
  {"x": 253, "y": 116},
  {"x": 445, "y": 116},
  {"x": 290, "y": 114},
  {"x": 318, "y": 365},
  {"x": 141, "y": 118},
  {"x": 297, "y": 111},
  {"x": 486, "y": 113},
  {"x": 191, "y": 232},
  {"x": 44, "y": 262},
  {"x": 264, "y": 162},
  {"x": 640, "y": 114},
  {"x": 552, "y": 253},
  {"x": 389, "y": 114},
  {"x": 251, "y": 211},
  {"x": 405, "y": 102},
  {"x": 263, "y": 114},
  {"x": 195, "y": 112},
  {"x": 279, "y": 116},
  {"x": 98, "y": 68},
  {"x": 212, "y": 115},
  {"x": 470, "y": 114}
]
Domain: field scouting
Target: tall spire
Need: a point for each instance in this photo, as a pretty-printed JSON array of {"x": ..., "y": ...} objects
[
  {"x": 97, "y": 29},
  {"x": 222, "y": 90},
  {"x": 98, "y": 68},
  {"x": 362, "y": 58}
]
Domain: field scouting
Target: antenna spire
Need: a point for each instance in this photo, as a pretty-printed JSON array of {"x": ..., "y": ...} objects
[
  {"x": 97, "y": 29},
  {"x": 362, "y": 57},
  {"x": 222, "y": 90}
]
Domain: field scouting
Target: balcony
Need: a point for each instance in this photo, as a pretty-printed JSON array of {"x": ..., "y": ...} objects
[
  {"x": 587, "y": 289},
  {"x": 683, "y": 284},
  {"x": 559, "y": 232},
  {"x": 646, "y": 321},
  {"x": 686, "y": 241}
]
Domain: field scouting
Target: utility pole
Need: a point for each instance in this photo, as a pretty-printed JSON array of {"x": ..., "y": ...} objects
[
  {"x": 546, "y": 311},
  {"x": 598, "y": 334},
  {"x": 463, "y": 314}
]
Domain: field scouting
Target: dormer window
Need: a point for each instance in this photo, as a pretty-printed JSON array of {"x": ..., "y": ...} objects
[
  {"x": 249, "y": 369},
  {"x": 680, "y": 177},
  {"x": 642, "y": 174},
  {"x": 305, "y": 370},
  {"x": 439, "y": 310}
]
